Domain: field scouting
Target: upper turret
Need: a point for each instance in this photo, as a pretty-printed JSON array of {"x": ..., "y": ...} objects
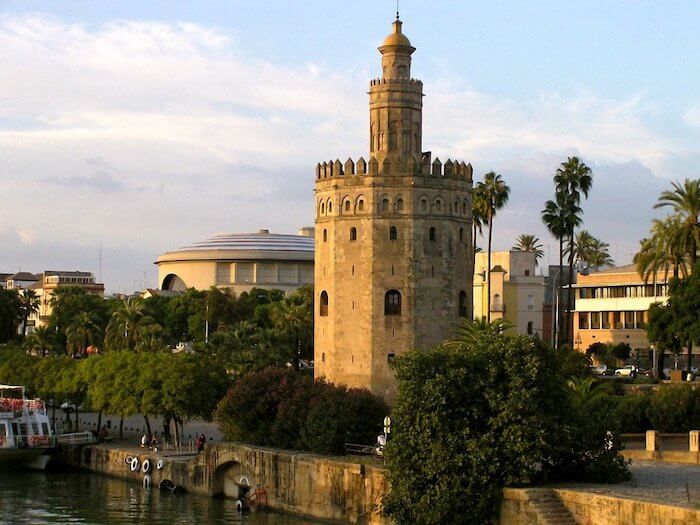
[
  {"x": 395, "y": 101},
  {"x": 396, "y": 53}
]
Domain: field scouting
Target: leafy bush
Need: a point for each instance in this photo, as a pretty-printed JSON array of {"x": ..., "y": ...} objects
[
  {"x": 285, "y": 409},
  {"x": 475, "y": 415},
  {"x": 630, "y": 413},
  {"x": 675, "y": 408}
]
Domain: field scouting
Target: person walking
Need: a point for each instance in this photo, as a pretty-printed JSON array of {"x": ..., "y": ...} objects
[{"x": 144, "y": 441}]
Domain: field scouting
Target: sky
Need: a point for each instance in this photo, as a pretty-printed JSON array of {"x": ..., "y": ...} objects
[{"x": 128, "y": 128}]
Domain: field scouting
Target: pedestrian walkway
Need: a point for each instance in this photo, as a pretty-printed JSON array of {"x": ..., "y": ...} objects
[{"x": 667, "y": 483}]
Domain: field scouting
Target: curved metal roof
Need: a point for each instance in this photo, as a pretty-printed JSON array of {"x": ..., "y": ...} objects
[{"x": 261, "y": 245}]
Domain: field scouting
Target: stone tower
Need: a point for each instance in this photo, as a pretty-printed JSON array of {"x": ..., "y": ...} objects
[{"x": 393, "y": 261}]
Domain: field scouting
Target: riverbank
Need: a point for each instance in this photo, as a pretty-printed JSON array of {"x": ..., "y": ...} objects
[
  {"x": 332, "y": 489},
  {"x": 342, "y": 490}
]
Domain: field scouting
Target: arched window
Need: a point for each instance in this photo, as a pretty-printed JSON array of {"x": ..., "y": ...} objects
[
  {"x": 423, "y": 205},
  {"x": 399, "y": 205},
  {"x": 393, "y": 233},
  {"x": 392, "y": 303},
  {"x": 353, "y": 234},
  {"x": 461, "y": 234},
  {"x": 462, "y": 303},
  {"x": 456, "y": 207},
  {"x": 385, "y": 204},
  {"x": 431, "y": 234},
  {"x": 438, "y": 206},
  {"x": 323, "y": 357},
  {"x": 330, "y": 207},
  {"x": 323, "y": 311},
  {"x": 323, "y": 208},
  {"x": 347, "y": 205},
  {"x": 325, "y": 235},
  {"x": 464, "y": 207},
  {"x": 530, "y": 328},
  {"x": 360, "y": 205}
]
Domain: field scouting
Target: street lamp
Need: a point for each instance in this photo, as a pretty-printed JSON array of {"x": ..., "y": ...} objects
[{"x": 578, "y": 341}]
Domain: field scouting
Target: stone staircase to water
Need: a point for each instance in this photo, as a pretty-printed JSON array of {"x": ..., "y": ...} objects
[{"x": 549, "y": 510}]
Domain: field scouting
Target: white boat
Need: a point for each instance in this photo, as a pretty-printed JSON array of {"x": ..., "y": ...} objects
[{"x": 26, "y": 437}]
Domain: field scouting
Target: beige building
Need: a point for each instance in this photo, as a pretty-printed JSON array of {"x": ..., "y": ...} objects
[
  {"x": 46, "y": 285},
  {"x": 612, "y": 307},
  {"x": 517, "y": 293},
  {"x": 241, "y": 262},
  {"x": 393, "y": 239}
]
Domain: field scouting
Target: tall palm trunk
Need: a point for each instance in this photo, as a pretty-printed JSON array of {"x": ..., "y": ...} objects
[
  {"x": 560, "y": 289},
  {"x": 488, "y": 270},
  {"x": 570, "y": 278}
]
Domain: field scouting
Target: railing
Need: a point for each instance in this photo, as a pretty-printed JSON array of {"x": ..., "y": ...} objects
[
  {"x": 653, "y": 441},
  {"x": 181, "y": 449},
  {"x": 76, "y": 438},
  {"x": 24, "y": 441},
  {"x": 361, "y": 450}
]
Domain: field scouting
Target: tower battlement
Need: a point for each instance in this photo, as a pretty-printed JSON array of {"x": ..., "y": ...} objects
[
  {"x": 403, "y": 82},
  {"x": 401, "y": 166}
]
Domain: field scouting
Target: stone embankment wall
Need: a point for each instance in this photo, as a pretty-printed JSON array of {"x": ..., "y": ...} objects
[
  {"x": 349, "y": 492},
  {"x": 325, "y": 488},
  {"x": 519, "y": 507}
]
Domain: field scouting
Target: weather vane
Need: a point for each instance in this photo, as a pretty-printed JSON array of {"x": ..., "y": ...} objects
[{"x": 397, "y": 9}]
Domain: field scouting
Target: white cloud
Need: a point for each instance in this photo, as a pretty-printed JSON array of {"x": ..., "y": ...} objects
[
  {"x": 692, "y": 116},
  {"x": 148, "y": 135}
]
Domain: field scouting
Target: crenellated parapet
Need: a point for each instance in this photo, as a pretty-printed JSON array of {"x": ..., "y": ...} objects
[
  {"x": 400, "y": 166},
  {"x": 413, "y": 83}
]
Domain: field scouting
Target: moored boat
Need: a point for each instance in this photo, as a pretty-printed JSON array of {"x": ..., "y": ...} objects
[{"x": 26, "y": 437}]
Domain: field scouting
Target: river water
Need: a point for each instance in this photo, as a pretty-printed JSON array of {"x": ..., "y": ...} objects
[{"x": 75, "y": 497}]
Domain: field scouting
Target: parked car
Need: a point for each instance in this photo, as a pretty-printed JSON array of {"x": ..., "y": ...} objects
[
  {"x": 627, "y": 371},
  {"x": 599, "y": 370}
]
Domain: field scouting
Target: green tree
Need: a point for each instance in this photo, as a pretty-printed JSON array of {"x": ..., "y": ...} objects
[
  {"x": 590, "y": 250},
  {"x": 529, "y": 243},
  {"x": 67, "y": 302},
  {"x": 474, "y": 418},
  {"x": 684, "y": 201},
  {"x": 30, "y": 305},
  {"x": 294, "y": 315},
  {"x": 573, "y": 178},
  {"x": 127, "y": 325},
  {"x": 10, "y": 314},
  {"x": 82, "y": 332},
  {"x": 40, "y": 341},
  {"x": 495, "y": 193},
  {"x": 560, "y": 216},
  {"x": 679, "y": 318}
]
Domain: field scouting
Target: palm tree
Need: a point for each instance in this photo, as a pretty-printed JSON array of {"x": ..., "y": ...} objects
[
  {"x": 127, "y": 325},
  {"x": 528, "y": 243},
  {"x": 590, "y": 250},
  {"x": 81, "y": 333},
  {"x": 586, "y": 390},
  {"x": 666, "y": 250},
  {"x": 598, "y": 254},
  {"x": 469, "y": 331},
  {"x": 572, "y": 178},
  {"x": 30, "y": 305},
  {"x": 293, "y": 316},
  {"x": 557, "y": 216},
  {"x": 40, "y": 340},
  {"x": 495, "y": 193},
  {"x": 684, "y": 200}
]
